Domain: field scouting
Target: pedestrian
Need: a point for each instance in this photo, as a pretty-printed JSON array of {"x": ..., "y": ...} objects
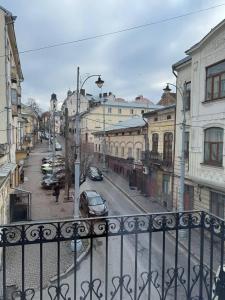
[
  {"x": 56, "y": 192},
  {"x": 41, "y": 139}
]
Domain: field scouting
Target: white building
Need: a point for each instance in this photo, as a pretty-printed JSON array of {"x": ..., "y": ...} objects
[{"x": 204, "y": 71}]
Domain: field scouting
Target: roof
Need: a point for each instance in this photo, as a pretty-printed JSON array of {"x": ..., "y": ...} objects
[
  {"x": 181, "y": 62},
  {"x": 211, "y": 32},
  {"x": 6, "y": 169},
  {"x": 6, "y": 11},
  {"x": 168, "y": 107},
  {"x": 130, "y": 123},
  {"x": 91, "y": 193},
  {"x": 131, "y": 104}
]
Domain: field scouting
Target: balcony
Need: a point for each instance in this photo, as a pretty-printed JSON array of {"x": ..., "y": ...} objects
[
  {"x": 130, "y": 257},
  {"x": 150, "y": 158}
]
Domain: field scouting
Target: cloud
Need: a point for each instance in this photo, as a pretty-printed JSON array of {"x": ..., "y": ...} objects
[{"x": 131, "y": 63}]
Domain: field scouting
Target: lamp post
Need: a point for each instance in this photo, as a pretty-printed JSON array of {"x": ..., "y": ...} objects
[
  {"x": 104, "y": 137},
  {"x": 54, "y": 102},
  {"x": 99, "y": 83},
  {"x": 183, "y": 93}
]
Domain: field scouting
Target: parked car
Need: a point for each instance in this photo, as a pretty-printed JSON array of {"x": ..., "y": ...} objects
[
  {"x": 95, "y": 174},
  {"x": 58, "y": 147},
  {"x": 92, "y": 204},
  {"x": 49, "y": 158}
]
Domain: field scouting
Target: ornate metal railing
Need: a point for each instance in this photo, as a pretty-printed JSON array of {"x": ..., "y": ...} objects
[{"x": 155, "y": 256}]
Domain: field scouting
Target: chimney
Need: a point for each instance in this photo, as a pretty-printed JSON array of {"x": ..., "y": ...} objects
[
  {"x": 110, "y": 93},
  {"x": 104, "y": 94},
  {"x": 100, "y": 95}
]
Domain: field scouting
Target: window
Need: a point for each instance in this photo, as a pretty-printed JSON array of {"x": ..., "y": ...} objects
[
  {"x": 142, "y": 111},
  {"x": 155, "y": 139},
  {"x": 109, "y": 110},
  {"x": 217, "y": 204},
  {"x": 99, "y": 148},
  {"x": 168, "y": 146},
  {"x": 155, "y": 119},
  {"x": 213, "y": 146},
  {"x": 168, "y": 117},
  {"x": 186, "y": 145},
  {"x": 131, "y": 111},
  {"x": 119, "y": 111},
  {"x": 188, "y": 96},
  {"x": 116, "y": 152},
  {"x": 122, "y": 151},
  {"x": 129, "y": 152},
  {"x": 96, "y": 147},
  {"x": 215, "y": 81},
  {"x": 138, "y": 153},
  {"x": 14, "y": 96}
]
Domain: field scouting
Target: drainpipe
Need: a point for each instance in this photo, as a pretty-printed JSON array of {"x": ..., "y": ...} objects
[
  {"x": 174, "y": 143},
  {"x": 7, "y": 93}
]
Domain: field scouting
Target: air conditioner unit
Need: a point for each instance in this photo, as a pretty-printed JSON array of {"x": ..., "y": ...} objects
[{"x": 145, "y": 170}]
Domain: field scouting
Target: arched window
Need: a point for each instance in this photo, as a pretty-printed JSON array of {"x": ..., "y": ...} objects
[
  {"x": 168, "y": 146},
  {"x": 155, "y": 140},
  {"x": 213, "y": 146}
]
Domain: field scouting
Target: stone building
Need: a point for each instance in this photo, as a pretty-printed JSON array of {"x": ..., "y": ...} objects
[{"x": 203, "y": 69}]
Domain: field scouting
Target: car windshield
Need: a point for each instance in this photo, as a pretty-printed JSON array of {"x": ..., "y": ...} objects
[{"x": 95, "y": 201}]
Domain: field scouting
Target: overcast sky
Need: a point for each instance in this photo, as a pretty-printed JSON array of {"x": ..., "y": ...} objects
[{"x": 131, "y": 63}]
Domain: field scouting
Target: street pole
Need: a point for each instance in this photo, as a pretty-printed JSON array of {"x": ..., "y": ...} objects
[
  {"x": 77, "y": 151},
  {"x": 104, "y": 137},
  {"x": 182, "y": 161},
  {"x": 67, "y": 185},
  {"x": 49, "y": 129},
  {"x": 53, "y": 144}
]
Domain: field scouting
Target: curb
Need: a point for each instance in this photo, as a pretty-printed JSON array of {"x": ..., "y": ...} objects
[
  {"x": 145, "y": 211},
  {"x": 70, "y": 268}
]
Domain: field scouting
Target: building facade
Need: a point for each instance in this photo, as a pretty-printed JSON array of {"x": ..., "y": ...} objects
[
  {"x": 203, "y": 70},
  {"x": 159, "y": 156},
  {"x": 10, "y": 106},
  {"x": 125, "y": 142}
]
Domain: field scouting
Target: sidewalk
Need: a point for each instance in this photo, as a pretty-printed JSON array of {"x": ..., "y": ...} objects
[
  {"x": 149, "y": 205},
  {"x": 43, "y": 205}
]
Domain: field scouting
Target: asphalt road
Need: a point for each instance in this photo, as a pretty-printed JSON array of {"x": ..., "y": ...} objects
[{"x": 121, "y": 259}]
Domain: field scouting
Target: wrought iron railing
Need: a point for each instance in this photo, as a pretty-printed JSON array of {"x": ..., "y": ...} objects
[
  {"x": 151, "y": 157},
  {"x": 156, "y": 256}
]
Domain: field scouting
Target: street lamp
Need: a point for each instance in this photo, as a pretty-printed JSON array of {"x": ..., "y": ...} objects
[
  {"x": 54, "y": 102},
  {"x": 104, "y": 137},
  {"x": 99, "y": 83},
  {"x": 183, "y": 93}
]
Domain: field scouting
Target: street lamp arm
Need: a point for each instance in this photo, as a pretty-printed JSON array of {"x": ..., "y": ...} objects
[
  {"x": 177, "y": 87},
  {"x": 88, "y": 78}
]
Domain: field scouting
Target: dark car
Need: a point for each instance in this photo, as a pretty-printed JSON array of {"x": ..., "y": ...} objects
[
  {"x": 95, "y": 174},
  {"x": 51, "y": 181},
  {"x": 92, "y": 204}
]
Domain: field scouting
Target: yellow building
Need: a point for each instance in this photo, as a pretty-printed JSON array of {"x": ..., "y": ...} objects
[
  {"x": 158, "y": 160},
  {"x": 108, "y": 110}
]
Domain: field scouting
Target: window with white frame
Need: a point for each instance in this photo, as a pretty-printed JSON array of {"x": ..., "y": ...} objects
[
  {"x": 119, "y": 111},
  {"x": 215, "y": 81},
  {"x": 109, "y": 110},
  {"x": 213, "y": 146}
]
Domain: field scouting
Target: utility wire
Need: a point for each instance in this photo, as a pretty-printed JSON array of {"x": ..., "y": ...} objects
[{"x": 120, "y": 31}]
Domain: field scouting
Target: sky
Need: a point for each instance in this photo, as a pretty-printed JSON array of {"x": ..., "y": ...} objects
[{"x": 132, "y": 63}]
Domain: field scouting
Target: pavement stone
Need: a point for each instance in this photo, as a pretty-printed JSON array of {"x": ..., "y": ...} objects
[{"x": 43, "y": 207}]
